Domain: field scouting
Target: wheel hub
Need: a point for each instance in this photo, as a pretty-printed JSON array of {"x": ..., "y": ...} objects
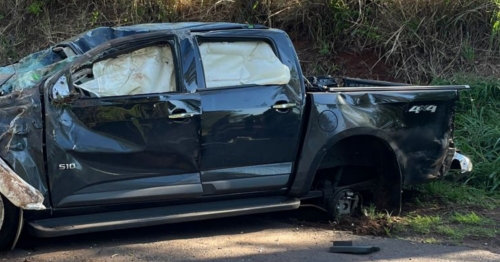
[
  {"x": 347, "y": 201},
  {"x": 344, "y": 202}
]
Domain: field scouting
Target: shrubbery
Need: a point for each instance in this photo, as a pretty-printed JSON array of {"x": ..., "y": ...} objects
[{"x": 477, "y": 132}]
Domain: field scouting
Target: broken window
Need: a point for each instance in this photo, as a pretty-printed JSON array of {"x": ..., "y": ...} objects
[
  {"x": 242, "y": 63},
  {"x": 144, "y": 71}
]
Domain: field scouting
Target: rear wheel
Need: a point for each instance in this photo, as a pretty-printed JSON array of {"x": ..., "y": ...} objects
[
  {"x": 9, "y": 223},
  {"x": 349, "y": 187}
]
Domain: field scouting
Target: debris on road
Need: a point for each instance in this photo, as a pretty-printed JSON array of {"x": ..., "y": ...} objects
[{"x": 347, "y": 247}]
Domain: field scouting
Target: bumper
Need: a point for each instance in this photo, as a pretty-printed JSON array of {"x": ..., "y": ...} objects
[
  {"x": 461, "y": 163},
  {"x": 457, "y": 165}
]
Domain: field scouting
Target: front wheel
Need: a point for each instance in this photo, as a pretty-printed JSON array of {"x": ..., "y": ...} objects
[{"x": 9, "y": 223}]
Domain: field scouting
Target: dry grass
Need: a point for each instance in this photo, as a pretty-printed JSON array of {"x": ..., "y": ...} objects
[{"x": 421, "y": 39}]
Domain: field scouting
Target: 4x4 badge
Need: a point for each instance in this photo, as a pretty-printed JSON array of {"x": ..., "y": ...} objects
[{"x": 423, "y": 108}]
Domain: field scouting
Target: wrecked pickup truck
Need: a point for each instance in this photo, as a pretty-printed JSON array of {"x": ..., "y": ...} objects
[{"x": 161, "y": 123}]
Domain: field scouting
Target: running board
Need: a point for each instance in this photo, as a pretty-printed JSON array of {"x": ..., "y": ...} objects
[{"x": 55, "y": 227}]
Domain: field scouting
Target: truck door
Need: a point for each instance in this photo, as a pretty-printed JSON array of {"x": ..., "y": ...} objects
[
  {"x": 132, "y": 133},
  {"x": 251, "y": 118}
]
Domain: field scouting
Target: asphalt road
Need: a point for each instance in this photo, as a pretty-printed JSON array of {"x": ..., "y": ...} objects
[{"x": 250, "y": 238}]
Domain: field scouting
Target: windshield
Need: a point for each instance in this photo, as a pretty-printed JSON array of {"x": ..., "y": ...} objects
[{"x": 30, "y": 70}]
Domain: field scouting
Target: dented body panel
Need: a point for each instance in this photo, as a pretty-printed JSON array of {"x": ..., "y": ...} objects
[
  {"x": 82, "y": 153},
  {"x": 123, "y": 150},
  {"x": 420, "y": 141},
  {"x": 21, "y": 149}
]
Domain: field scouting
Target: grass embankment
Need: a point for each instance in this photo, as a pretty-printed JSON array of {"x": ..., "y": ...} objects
[{"x": 477, "y": 128}]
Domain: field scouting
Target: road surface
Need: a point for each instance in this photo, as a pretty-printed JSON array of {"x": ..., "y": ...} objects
[{"x": 250, "y": 238}]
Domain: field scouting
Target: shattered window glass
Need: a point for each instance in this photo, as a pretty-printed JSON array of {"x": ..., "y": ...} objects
[{"x": 30, "y": 70}]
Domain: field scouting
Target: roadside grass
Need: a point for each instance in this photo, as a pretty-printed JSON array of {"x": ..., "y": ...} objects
[
  {"x": 445, "y": 228},
  {"x": 423, "y": 224},
  {"x": 443, "y": 212},
  {"x": 470, "y": 218},
  {"x": 447, "y": 193},
  {"x": 449, "y": 212},
  {"x": 439, "y": 213},
  {"x": 477, "y": 131}
]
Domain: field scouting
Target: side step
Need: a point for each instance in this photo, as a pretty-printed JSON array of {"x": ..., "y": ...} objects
[{"x": 156, "y": 216}]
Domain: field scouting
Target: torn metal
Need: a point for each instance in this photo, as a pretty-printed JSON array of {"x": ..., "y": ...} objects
[{"x": 20, "y": 193}]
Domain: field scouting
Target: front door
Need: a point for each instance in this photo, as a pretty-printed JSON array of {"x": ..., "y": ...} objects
[{"x": 133, "y": 135}]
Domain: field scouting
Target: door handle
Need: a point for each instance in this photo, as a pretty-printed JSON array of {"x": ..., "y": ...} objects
[
  {"x": 284, "y": 106},
  {"x": 181, "y": 115}
]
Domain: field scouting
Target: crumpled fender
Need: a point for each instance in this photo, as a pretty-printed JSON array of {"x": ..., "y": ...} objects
[{"x": 17, "y": 191}]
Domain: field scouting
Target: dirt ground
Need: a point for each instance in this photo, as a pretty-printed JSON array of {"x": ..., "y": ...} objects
[
  {"x": 393, "y": 227},
  {"x": 343, "y": 64},
  {"x": 248, "y": 238},
  {"x": 444, "y": 210}
]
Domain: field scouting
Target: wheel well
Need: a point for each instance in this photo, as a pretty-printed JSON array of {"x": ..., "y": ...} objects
[{"x": 358, "y": 159}]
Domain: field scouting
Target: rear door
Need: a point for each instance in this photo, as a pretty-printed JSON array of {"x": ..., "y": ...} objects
[
  {"x": 133, "y": 135},
  {"x": 251, "y": 118}
]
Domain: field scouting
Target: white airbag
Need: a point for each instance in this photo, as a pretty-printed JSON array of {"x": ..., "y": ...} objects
[
  {"x": 144, "y": 71},
  {"x": 242, "y": 63}
]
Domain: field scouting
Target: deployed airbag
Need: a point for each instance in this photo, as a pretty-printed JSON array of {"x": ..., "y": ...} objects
[
  {"x": 144, "y": 71},
  {"x": 242, "y": 63}
]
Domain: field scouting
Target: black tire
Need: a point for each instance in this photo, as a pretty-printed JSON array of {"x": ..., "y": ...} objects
[{"x": 8, "y": 229}]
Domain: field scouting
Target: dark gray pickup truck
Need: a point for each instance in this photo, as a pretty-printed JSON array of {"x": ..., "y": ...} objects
[{"x": 162, "y": 123}]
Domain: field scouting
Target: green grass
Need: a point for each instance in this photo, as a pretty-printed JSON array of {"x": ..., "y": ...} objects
[
  {"x": 454, "y": 227},
  {"x": 452, "y": 193},
  {"x": 477, "y": 129},
  {"x": 423, "y": 224},
  {"x": 481, "y": 231},
  {"x": 470, "y": 218},
  {"x": 373, "y": 213}
]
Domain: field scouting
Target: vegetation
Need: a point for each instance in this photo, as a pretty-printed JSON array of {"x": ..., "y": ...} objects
[
  {"x": 477, "y": 131},
  {"x": 441, "y": 212},
  {"x": 453, "y": 193},
  {"x": 421, "y": 39},
  {"x": 470, "y": 218},
  {"x": 455, "y": 227}
]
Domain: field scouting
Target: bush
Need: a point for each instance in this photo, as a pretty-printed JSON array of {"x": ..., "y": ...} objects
[
  {"x": 421, "y": 39},
  {"x": 477, "y": 131}
]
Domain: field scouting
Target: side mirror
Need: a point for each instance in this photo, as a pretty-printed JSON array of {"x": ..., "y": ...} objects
[{"x": 61, "y": 88}]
